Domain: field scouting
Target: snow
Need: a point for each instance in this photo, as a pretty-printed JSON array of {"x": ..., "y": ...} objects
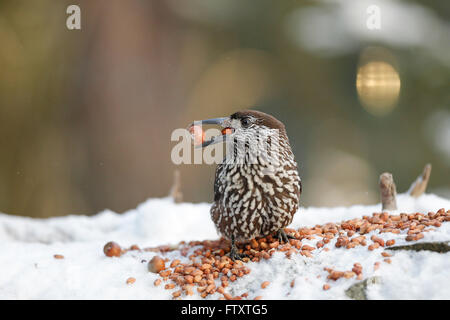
[{"x": 29, "y": 270}]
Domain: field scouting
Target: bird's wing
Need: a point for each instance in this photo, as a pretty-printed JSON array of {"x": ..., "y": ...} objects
[{"x": 216, "y": 182}]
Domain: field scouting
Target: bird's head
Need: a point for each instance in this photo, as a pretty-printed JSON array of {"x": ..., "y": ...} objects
[{"x": 244, "y": 126}]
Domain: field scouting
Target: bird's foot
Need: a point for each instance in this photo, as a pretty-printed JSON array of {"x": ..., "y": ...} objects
[
  {"x": 283, "y": 236},
  {"x": 235, "y": 255}
]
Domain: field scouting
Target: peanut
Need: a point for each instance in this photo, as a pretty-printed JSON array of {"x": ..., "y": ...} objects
[
  {"x": 390, "y": 242},
  {"x": 131, "y": 280},
  {"x": 156, "y": 264},
  {"x": 174, "y": 263},
  {"x": 112, "y": 249}
]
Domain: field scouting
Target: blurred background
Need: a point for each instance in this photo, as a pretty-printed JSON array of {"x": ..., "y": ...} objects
[{"x": 86, "y": 115}]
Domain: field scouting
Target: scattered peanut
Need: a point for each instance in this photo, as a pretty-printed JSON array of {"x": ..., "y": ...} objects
[
  {"x": 156, "y": 264},
  {"x": 208, "y": 269},
  {"x": 174, "y": 263},
  {"x": 112, "y": 249},
  {"x": 157, "y": 282},
  {"x": 390, "y": 242}
]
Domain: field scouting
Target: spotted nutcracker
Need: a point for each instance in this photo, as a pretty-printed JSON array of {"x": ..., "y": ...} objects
[{"x": 257, "y": 186}]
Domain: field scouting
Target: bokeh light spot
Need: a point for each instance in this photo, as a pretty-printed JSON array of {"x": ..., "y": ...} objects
[{"x": 378, "y": 85}]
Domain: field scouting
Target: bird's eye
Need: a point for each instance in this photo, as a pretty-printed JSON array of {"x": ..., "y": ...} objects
[{"x": 245, "y": 122}]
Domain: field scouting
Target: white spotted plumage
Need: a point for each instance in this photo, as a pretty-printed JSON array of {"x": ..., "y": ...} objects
[{"x": 256, "y": 198}]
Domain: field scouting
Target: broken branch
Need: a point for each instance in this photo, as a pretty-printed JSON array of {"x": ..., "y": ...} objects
[
  {"x": 419, "y": 186},
  {"x": 388, "y": 192}
]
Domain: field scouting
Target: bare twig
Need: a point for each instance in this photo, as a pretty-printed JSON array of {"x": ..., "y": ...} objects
[
  {"x": 175, "y": 191},
  {"x": 388, "y": 192},
  {"x": 419, "y": 186}
]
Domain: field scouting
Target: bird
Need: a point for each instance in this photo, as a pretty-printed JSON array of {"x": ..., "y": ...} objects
[{"x": 257, "y": 186}]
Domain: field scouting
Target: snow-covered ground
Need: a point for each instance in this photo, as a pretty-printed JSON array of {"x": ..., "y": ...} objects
[{"x": 28, "y": 269}]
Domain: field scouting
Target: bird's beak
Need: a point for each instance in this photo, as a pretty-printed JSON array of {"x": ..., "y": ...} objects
[
  {"x": 223, "y": 122},
  {"x": 219, "y": 121}
]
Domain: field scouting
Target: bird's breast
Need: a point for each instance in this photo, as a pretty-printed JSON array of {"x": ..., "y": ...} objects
[{"x": 270, "y": 190}]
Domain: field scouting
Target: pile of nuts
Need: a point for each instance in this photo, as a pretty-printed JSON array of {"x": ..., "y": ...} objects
[{"x": 209, "y": 270}]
